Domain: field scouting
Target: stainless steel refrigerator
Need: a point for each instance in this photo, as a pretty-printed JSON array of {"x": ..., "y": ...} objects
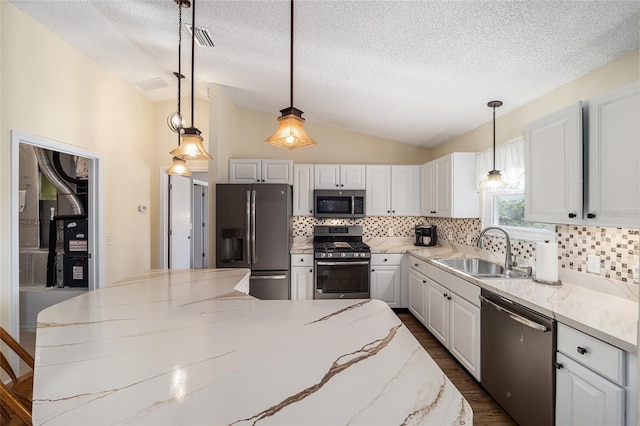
[{"x": 253, "y": 231}]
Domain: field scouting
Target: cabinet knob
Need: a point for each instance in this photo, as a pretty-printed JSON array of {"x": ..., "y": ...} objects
[
  {"x": 572, "y": 215},
  {"x": 582, "y": 350},
  {"x": 424, "y": 281},
  {"x": 373, "y": 270},
  {"x": 433, "y": 211},
  {"x": 341, "y": 185},
  {"x": 393, "y": 211},
  {"x": 310, "y": 211},
  {"x": 337, "y": 185},
  {"x": 257, "y": 180},
  {"x": 591, "y": 215},
  {"x": 444, "y": 295},
  {"x": 448, "y": 297},
  {"x": 416, "y": 265},
  {"x": 388, "y": 211},
  {"x": 311, "y": 270},
  {"x": 559, "y": 366},
  {"x": 385, "y": 260},
  {"x": 301, "y": 260}
]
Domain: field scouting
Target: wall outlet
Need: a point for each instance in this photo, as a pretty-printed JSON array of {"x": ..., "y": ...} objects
[
  {"x": 636, "y": 273},
  {"x": 390, "y": 232},
  {"x": 109, "y": 241},
  {"x": 593, "y": 263}
]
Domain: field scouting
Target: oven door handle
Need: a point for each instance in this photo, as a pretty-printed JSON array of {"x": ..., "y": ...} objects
[
  {"x": 320, "y": 263},
  {"x": 522, "y": 320}
]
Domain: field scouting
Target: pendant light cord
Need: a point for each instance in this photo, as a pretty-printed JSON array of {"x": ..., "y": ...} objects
[
  {"x": 291, "y": 61},
  {"x": 193, "y": 51},
  {"x": 494, "y": 137}
]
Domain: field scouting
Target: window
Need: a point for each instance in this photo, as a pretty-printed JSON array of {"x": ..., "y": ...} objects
[{"x": 505, "y": 207}]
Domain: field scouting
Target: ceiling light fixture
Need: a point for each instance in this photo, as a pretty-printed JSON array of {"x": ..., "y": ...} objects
[
  {"x": 176, "y": 120},
  {"x": 494, "y": 178},
  {"x": 191, "y": 147},
  {"x": 290, "y": 133}
]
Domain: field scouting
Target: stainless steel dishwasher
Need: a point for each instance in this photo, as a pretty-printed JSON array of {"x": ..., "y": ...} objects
[{"x": 518, "y": 348}]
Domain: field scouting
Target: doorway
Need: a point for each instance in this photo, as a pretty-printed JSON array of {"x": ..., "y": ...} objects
[{"x": 82, "y": 253}]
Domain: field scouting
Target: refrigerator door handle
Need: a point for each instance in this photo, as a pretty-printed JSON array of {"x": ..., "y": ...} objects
[
  {"x": 268, "y": 277},
  {"x": 247, "y": 238},
  {"x": 254, "y": 258}
]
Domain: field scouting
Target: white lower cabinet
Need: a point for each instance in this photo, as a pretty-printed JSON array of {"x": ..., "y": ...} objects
[
  {"x": 301, "y": 277},
  {"x": 595, "y": 382},
  {"x": 386, "y": 278},
  {"x": 450, "y": 309},
  {"x": 586, "y": 398},
  {"x": 417, "y": 294}
]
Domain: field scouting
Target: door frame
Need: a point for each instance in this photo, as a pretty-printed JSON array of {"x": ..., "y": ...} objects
[
  {"x": 163, "y": 222},
  {"x": 95, "y": 215}
]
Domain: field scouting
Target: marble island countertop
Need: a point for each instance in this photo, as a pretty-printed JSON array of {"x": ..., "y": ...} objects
[
  {"x": 190, "y": 347},
  {"x": 606, "y": 309}
]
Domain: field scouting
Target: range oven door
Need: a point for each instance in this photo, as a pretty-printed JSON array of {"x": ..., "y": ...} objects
[{"x": 342, "y": 279}]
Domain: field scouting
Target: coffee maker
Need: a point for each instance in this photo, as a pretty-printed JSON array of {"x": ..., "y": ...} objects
[{"x": 426, "y": 235}]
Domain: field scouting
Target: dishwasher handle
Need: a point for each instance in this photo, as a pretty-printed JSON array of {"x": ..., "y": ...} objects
[{"x": 518, "y": 318}]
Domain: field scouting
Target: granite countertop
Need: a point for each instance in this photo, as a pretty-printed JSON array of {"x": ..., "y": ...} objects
[{"x": 191, "y": 347}]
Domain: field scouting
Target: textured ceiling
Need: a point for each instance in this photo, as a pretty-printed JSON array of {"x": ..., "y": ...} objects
[{"x": 418, "y": 72}]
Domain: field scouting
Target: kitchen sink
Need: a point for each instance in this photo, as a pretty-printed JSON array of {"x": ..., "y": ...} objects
[{"x": 481, "y": 268}]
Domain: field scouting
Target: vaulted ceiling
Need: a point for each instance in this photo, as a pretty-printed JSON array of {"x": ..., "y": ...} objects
[{"x": 417, "y": 72}]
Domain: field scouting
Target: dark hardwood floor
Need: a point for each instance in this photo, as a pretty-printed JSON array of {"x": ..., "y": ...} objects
[{"x": 485, "y": 410}]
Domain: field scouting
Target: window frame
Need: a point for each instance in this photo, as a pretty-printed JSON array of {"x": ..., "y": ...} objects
[{"x": 515, "y": 232}]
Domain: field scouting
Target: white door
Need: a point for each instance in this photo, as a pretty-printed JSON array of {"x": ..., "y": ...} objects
[
  {"x": 303, "y": 189},
  {"x": 405, "y": 190},
  {"x": 428, "y": 174},
  {"x": 385, "y": 284},
  {"x": 327, "y": 176},
  {"x": 417, "y": 296},
  {"x": 464, "y": 341},
  {"x": 277, "y": 171},
  {"x": 444, "y": 188},
  {"x": 438, "y": 311},
  {"x": 352, "y": 176},
  {"x": 180, "y": 221}
]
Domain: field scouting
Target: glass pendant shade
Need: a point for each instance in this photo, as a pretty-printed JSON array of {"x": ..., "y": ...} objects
[
  {"x": 494, "y": 179},
  {"x": 176, "y": 122},
  {"x": 191, "y": 147},
  {"x": 179, "y": 167},
  {"x": 290, "y": 133}
]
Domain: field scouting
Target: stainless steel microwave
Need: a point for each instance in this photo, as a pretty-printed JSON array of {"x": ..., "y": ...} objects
[{"x": 339, "y": 203}]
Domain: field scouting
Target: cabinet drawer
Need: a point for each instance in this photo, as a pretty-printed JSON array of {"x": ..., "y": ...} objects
[
  {"x": 382, "y": 259},
  {"x": 418, "y": 264},
  {"x": 599, "y": 356},
  {"x": 301, "y": 260}
]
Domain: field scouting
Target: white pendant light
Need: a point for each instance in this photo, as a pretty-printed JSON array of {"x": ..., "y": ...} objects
[
  {"x": 290, "y": 133},
  {"x": 191, "y": 147},
  {"x": 494, "y": 177}
]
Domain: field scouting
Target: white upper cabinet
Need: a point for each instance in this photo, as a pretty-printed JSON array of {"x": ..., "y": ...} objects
[
  {"x": 612, "y": 177},
  {"x": 260, "y": 171},
  {"x": 448, "y": 186},
  {"x": 393, "y": 190},
  {"x": 557, "y": 174},
  {"x": 303, "y": 186},
  {"x": 553, "y": 167},
  {"x": 339, "y": 176}
]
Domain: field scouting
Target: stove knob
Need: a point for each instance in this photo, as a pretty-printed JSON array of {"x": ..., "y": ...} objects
[
  {"x": 330, "y": 255},
  {"x": 343, "y": 255},
  {"x": 323, "y": 254}
]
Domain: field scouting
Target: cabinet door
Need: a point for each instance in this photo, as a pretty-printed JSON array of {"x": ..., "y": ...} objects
[
  {"x": 327, "y": 176},
  {"x": 585, "y": 398},
  {"x": 378, "y": 190},
  {"x": 352, "y": 176},
  {"x": 464, "y": 342},
  {"x": 385, "y": 284},
  {"x": 437, "y": 314},
  {"x": 553, "y": 167},
  {"x": 303, "y": 189},
  {"x": 443, "y": 181},
  {"x": 417, "y": 296},
  {"x": 245, "y": 171},
  {"x": 428, "y": 200},
  {"x": 405, "y": 190},
  {"x": 613, "y": 177},
  {"x": 277, "y": 171},
  {"x": 301, "y": 283}
]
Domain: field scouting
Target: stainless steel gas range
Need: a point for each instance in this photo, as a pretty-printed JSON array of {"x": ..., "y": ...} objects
[{"x": 342, "y": 263}]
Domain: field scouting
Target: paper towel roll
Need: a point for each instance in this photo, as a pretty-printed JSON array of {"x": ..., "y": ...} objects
[{"x": 547, "y": 261}]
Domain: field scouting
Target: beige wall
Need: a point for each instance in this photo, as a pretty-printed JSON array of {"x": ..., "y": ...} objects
[
  {"x": 511, "y": 125},
  {"x": 333, "y": 145},
  {"x": 51, "y": 90}
]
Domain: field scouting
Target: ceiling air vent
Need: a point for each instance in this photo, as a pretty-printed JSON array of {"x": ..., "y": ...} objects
[
  {"x": 152, "y": 84},
  {"x": 203, "y": 36}
]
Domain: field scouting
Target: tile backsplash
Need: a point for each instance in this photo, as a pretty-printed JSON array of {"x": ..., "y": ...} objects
[{"x": 618, "y": 248}]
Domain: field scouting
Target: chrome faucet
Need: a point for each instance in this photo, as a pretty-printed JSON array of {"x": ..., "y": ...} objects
[{"x": 507, "y": 255}]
